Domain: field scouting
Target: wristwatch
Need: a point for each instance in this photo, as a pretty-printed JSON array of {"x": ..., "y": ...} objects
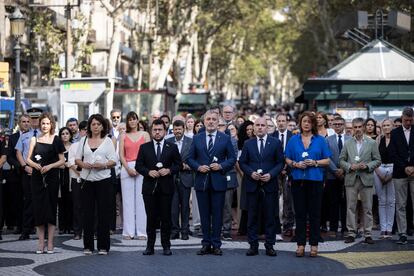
[{"x": 316, "y": 163}]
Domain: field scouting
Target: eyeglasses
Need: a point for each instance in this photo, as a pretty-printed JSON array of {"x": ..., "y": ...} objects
[
  {"x": 116, "y": 117},
  {"x": 221, "y": 125},
  {"x": 338, "y": 124}
]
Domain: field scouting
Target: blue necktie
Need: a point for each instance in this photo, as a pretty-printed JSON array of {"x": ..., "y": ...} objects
[
  {"x": 35, "y": 133},
  {"x": 261, "y": 146},
  {"x": 210, "y": 144},
  {"x": 340, "y": 143}
]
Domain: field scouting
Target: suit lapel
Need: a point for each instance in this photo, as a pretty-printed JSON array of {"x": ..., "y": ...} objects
[
  {"x": 216, "y": 141},
  {"x": 203, "y": 141},
  {"x": 411, "y": 136},
  {"x": 165, "y": 147}
]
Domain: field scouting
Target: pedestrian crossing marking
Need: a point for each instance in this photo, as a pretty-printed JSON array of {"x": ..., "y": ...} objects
[{"x": 358, "y": 260}]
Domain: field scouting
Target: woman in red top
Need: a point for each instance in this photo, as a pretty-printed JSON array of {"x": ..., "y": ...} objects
[{"x": 134, "y": 217}]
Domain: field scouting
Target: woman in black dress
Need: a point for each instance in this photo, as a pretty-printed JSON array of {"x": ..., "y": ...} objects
[
  {"x": 65, "y": 200},
  {"x": 45, "y": 157}
]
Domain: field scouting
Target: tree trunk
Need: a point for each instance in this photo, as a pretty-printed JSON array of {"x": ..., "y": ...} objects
[
  {"x": 206, "y": 58},
  {"x": 82, "y": 32}
]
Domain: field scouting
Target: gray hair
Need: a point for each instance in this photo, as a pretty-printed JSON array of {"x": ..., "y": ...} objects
[
  {"x": 358, "y": 120},
  {"x": 116, "y": 110},
  {"x": 408, "y": 111}
]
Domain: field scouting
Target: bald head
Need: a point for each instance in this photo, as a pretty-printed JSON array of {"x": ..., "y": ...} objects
[{"x": 260, "y": 127}]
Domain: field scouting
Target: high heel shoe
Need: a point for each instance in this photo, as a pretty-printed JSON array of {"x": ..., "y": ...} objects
[
  {"x": 300, "y": 251},
  {"x": 314, "y": 251}
]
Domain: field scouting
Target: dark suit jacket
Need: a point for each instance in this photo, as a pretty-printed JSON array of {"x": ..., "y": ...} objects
[
  {"x": 271, "y": 161},
  {"x": 147, "y": 160},
  {"x": 224, "y": 152},
  {"x": 11, "y": 154},
  {"x": 400, "y": 152},
  {"x": 334, "y": 159},
  {"x": 288, "y": 135},
  {"x": 186, "y": 176}
]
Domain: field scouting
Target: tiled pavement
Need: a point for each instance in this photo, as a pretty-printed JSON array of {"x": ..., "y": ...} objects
[{"x": 125, "y": 258}]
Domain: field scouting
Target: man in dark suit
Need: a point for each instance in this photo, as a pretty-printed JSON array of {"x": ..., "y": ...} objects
[
  {"x": 158, "y": 161},
  {"x": 288, "y": 216},
  {"x": 183, "y": 182},
  {"x": 14, "y": 177},
  {"x": 335, "y": 178},
  {"x": 261, "y": 161},
  {"x": 401, "y": 149},
  {"x": 212, "y": 156}
]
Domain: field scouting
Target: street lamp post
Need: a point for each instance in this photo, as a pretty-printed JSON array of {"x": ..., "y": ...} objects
[{"x": 17, "y": 21}]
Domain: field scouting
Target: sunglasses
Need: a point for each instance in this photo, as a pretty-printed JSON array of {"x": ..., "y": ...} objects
[{"x": 116, "y": 117}]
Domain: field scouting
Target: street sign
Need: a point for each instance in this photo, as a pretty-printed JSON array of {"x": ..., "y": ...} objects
[{"x": 4, "y": 77}]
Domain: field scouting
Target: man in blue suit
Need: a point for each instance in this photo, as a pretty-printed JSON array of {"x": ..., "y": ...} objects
[
  {"x": 211, "y": 157},
  {"x": 261, "y": 161}
]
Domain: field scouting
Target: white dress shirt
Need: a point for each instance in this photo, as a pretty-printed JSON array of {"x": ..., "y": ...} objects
[
  {"x": 208, "y": 137},
  {"x": 407, "y": 132},
  {"x": 156, "y": 145},
  {"x": 179, "y": 144},
  {"x": 264, "y": 142}
]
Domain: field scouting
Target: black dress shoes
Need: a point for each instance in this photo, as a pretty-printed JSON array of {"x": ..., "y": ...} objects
[
  {"x": 184, "y": 237},
  {"x": 253, "y": 251},
  {"x": 167, "y": 252},
  {"x": 270, "y": 251},
  {"x": 148, "y": 251},
  {"x": 369, "y": 240},
  {"x": 24, "y": 237},
  {"x": 175, "y": 236},
  {"x": 217, "y": 252},
  {"x": 204, "y": 250},
  {"x": 349, "y": 239}
]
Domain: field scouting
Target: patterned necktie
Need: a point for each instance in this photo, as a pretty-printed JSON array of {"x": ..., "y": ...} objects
[
  {"x": 261, "y": 146},
  {"x": 158, "y": 151},
  {"x": 210, "y": 144},
  {"x": 340, "y": 143},
  {"x": 283, "y": 141},
  {"x": 35, "y": 133}
]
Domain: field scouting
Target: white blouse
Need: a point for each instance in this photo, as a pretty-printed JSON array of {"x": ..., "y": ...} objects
[{"x": 104, "y": 153}]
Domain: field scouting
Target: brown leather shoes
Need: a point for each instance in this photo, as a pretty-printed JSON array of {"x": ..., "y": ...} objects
[
  {"x": 300, "y": 252},
  {"x": 314, "y": 251}
]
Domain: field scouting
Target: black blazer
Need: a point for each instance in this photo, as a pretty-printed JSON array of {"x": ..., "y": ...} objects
[
  {"x": 11, "y": 154},
  {"x": 147, "y": 160},
  {"x": 288, "y": 135},
  {"x": 401, "y": 153}
]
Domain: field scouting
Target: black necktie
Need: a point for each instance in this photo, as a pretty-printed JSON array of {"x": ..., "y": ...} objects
[
  {"x": 261, "y": 146},
  {"x": 283, "y": 140},
  {"x": 158, "y": 151},
  {"x": 210, "y": 144},
  {"x": 340, "y": 143}
]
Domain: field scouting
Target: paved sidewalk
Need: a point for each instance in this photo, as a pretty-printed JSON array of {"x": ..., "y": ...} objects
[{"x": 125, "y": 258}]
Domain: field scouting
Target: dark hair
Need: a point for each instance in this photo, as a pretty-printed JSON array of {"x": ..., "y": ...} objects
[
  {"x": 325, "y": 117},
  {"x": 339, "y": 118},
  {"x": 102, "y": 121},
  {"x": 49, "y": 116},
  {"x": 408, "y": 111},
  {"x": 179, "y": 123},
  {"x": 312, "y": 117},
  {"x": 158, "y": 122},
  {"x": 165, "y": 116},
  {"x": 282, "y": 114},
  {"x": 398, "y": 120},
  {"x": 70, "y": 133},
  {"x": 131, "y": 115},
  {"x": 196, "y": 123},
  {"x": 108, "y": 127},
  {"x": 83, "y": 125},
  {"x": 144, "y": 124},
  {"x": 70, "y": 120},
  {"x": 242, "y": 134},
  {"x": 374, "y": 122}
]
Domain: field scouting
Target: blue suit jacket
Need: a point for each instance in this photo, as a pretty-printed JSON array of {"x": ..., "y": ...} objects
[
  {"x": 270, "y": 162},
  {"x": 224, "y": 152}
]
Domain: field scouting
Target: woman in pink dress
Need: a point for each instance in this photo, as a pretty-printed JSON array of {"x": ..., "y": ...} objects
[{"x": 134, "y": 217}]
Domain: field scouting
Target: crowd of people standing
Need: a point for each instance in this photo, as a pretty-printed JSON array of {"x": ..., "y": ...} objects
[{"x": 219, "y": 173}]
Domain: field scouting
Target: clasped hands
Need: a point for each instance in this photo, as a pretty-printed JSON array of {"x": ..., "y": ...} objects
[
  {"x": 159, "y": 173},
  {"x": 41, "y": 169},
  {"x": 409, "y": 170},
  {"x": 306, "y": 163},
  {"x": 207, "y": 168},
  {"x": 261, "y": 177},
  {"x": 358, "y": 166},
  {"x": 96, "y": 166}
]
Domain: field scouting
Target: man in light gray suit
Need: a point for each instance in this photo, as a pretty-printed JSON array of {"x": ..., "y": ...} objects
[
  {"x": 183, "y": 183},
  {"x": 359, "y": 158},
  {"x": 335, "y": 178}
]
